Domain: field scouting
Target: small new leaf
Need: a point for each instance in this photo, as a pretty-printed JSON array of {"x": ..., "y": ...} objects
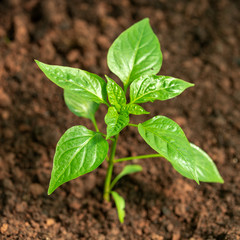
[
  {"x": 116, "y": 95},
  {"x": 80, "y": 106},
  {"x": 136, "y": 52},
  {"x": 89, "y": 85},
  {"x": 136, "y": 109},
  {"x": 129, "y": 169},
  {"x": 169, "y": 140},
  {"x": 79, "y": 151},
  {"x": 205, "y": 167},
  {"x": 151, "y": 88},
  {"x": 115, "y": 121},
  {"x": 120, "y": 204}
]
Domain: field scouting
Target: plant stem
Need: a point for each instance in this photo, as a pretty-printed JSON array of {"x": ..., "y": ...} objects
[
  {"x": 112, "y": 139},
  {"x": 108, "y": 179},
  {"x": 132, "y": 125},
  {"x": 107, "y": 104},
  {"x": 137, "y": 157},
  {"x": 125, "y": 89},
  {"x": 95, "y": 124}
]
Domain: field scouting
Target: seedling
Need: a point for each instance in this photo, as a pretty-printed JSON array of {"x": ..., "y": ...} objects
[{"x": 135, "y": 57}]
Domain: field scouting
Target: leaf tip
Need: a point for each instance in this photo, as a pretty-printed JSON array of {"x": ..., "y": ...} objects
[
  {"x": 37, "y": 62},
  {"x": 40, "y": 64},
  {"x": 146, "y": 19},
  {"x": 121, "y": 221},
  {"x": 51, "y": 188},
  {"x": 221, "y": 180},
  {"x": 195, "y": 177},
  {"x": 50, "y": 191},
  {"x": 108, "y": 78}
]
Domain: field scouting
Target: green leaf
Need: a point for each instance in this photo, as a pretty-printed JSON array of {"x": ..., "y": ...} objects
[
  {"x": 120, "y": 204},
  {"x": 135, "y": 109},
  {"x": 151, "y": 88},
  {"x": 169, "y": 140},
  {"x": 206, "y": 169},
  {"x": 116, "y": 95},
  {"x": 80, "y": 106},
  {"x": 129, "y": 169},
  {"x": 78, "y": 152},
  {"x": 135, "y": 52},
  {"x": 115, "y": 121},
  {"x": 89, "y": 85}
]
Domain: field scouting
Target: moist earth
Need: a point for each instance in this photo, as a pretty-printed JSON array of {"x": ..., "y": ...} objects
[{"x": 200, "y": 44}]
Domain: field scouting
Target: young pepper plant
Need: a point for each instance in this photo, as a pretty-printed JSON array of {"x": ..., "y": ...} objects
[{"x": 135, "y": 57}]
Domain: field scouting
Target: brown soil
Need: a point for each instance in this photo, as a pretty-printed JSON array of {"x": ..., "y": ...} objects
[{"x": 200, "y": 44}]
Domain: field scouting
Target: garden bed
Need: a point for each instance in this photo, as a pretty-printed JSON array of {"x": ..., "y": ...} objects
[{"x": 200, "y": 44}]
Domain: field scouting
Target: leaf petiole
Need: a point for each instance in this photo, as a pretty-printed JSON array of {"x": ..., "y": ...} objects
[
  {"x": 107, "y": 104},
  {"x": 128, "y": 169},
  {"x": 125, "y": 89},
  {"x": 112, "y": 139},
  {"x": 137, "y": 157},
  {"x": 95, "y": 123}
]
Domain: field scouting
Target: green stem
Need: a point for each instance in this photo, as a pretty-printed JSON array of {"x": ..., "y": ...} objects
[
  {"x": 132, "y": 125},
  {"x": 125, "y": 89},
  {"x": 95, "y": 124},
  {"x": 106, "y": 104},
  {"x": 107, "y": 189},
  {"x": 137, "y": 157},
  {"x": 112, "y": 139}
]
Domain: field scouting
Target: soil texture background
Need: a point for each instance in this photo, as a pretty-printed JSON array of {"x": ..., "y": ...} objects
[{"x": 200, "y": 44}]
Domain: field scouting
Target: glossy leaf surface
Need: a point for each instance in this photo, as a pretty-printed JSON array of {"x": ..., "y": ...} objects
[
  {"x": 168, "y": 139},
  {"x": 78, "y": 152},
  {"x": 115, "y": 121},
  {"x": 120, "y": 204},
  {"x": 116, "y": 95},
  {"x": 135, "y": 52},
  {"x": 129, "y": 169},
  {"x": 206, "y": 169},
  {"x": 151, "y": 88},
  {"x": 136, "y": 109},
  {"x": 80, "y": 106},
  {"x": 89, "y": 85}
]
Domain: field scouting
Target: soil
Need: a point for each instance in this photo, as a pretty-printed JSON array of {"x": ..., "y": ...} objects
[{"x": 200, "y": 44}]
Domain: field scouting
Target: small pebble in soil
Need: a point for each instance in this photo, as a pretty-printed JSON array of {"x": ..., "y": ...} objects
[
  {"x": 176, "y": 236},
  {"x": 8, "y": 185},
  {"x": 5, "y": 115},
  {"x": 5, "y": 100},
  {"x": 36, "y": 189},
  {"x": 21, "y": 207},
  {"x": 50, "y": 222},
  {"x": 4, "y": 228},
  {"x": 73, "y": 55},
  {"x": 154, "y": 236},
  {"x": 75, "y": 205}
]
